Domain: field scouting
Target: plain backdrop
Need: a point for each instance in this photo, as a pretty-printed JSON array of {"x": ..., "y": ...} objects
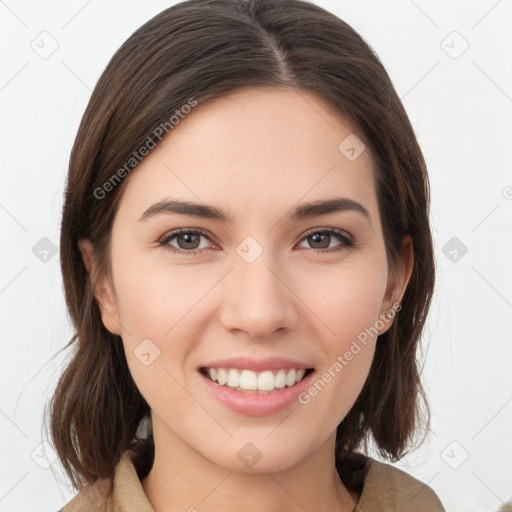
[{"x": 450, "y": 63}]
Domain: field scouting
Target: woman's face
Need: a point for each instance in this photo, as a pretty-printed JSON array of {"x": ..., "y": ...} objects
[{"x": 259, "y": 285}]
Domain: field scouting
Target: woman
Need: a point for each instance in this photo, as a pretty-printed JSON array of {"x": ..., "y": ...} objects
[{"x": 248, "y": 264}]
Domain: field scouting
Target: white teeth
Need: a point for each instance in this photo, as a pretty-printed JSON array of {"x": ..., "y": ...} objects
[
  {"x": 248, "y": 380},
  {"x": 266, "y": 381},
  {"x": 280, "y": 379},
  {"x": 222, "y": 377},
  {"x": 233, "y": 378},
  {"x": 290, "y": 378}
]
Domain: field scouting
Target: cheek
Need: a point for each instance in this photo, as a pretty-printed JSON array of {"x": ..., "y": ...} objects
[
  {"x": 338, "y": 304},
  {"x": 348, "y": 303},
  {"x": 158, "y": 308},
  {"x": 347, "y": 300},
  {"x": 154, "y": 299}
]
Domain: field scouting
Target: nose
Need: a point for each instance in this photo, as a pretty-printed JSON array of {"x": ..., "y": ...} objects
[{"x": 258, "y": 298}]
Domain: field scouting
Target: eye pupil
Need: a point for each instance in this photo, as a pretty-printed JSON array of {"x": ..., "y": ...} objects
[
  {"x": 315, "y": 239},
  {"x": 189, "y": 240}
]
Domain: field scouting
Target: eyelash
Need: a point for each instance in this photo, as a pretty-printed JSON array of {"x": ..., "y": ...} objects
[{"x": 164, "y": 241}]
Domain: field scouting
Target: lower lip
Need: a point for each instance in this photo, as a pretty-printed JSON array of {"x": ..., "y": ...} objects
[{"x": 254, "y": 404}]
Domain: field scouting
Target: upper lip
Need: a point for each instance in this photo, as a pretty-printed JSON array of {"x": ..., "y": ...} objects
[{"x": 257, "y": 365}]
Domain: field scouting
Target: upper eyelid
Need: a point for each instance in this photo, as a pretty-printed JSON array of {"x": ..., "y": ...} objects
[
  {"x": 337, "y": 231},
  {"x": 171, "y": 234}
]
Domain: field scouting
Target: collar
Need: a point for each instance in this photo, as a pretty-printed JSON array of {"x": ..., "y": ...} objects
[{"x": 386, "y": 489}]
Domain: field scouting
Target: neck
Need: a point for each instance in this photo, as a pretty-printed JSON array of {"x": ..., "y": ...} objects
[{"x": 182, "y": 479}]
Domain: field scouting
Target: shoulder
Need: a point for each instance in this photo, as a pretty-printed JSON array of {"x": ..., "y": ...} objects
[
  {"x": 93, "y": 497},
  {"x": 125, "y": 494},
  {"x": 387, "y": 488}
]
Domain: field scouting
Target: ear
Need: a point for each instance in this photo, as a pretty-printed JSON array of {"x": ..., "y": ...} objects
[
  {"x": 397, "y": 283},
  {"x": 103, "y": 291}
]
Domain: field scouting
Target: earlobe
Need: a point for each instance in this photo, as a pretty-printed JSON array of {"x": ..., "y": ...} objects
[
  {"x": 398, "y": 284},
  {"x": 108, "y": 307},
  {"x": 103, "y": 292},
  {"x": 407, "y": 260},
  {"x": 85, "y": 247}
]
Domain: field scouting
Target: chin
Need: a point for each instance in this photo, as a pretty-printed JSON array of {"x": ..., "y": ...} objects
[{"x": 257, "y": 457}]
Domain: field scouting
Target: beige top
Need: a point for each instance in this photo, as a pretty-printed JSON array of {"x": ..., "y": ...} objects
[{"x": 386, "y": 489}]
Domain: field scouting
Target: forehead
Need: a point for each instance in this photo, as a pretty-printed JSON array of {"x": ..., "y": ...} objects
[{"x": 255, "y": 150}]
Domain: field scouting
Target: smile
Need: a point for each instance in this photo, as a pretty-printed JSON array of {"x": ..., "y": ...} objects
[
  {"x": 255, "y": 401},
  {"x": 248, "y": 381}
]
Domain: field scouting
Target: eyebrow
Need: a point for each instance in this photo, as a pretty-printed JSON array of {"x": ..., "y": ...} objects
[{"x": 300, "y": 212}]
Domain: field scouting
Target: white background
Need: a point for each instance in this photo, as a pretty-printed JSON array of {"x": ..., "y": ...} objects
[{"x": 461, "y": 110}]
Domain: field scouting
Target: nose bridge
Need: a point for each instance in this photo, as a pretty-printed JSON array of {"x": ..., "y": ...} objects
[
  {"x": 258, "y": 300},
  {"x": 259, "y": 280}
]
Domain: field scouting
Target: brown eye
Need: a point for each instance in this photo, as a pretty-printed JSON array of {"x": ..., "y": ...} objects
[
  {"x": 188, "y": 241},
  {"x": 320, "y": 240}
]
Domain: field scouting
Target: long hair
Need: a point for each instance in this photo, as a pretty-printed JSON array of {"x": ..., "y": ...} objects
[{"x": 205, "y": 50}]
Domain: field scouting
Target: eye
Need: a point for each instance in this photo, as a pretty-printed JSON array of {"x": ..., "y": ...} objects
[
  {"x": 189, "y": 241},
  {"x": 321, "y": 239}
]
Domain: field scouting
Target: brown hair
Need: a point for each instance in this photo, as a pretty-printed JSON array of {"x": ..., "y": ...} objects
[{"x": 205, "y": 50}]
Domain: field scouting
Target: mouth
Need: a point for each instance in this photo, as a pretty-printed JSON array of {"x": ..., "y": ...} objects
[{"x": 256, "y": 383}]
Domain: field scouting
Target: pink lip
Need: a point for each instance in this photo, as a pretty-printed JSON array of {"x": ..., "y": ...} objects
[
  {"x": 254, "y": 404},
  {"x": 258, "y": 365}
]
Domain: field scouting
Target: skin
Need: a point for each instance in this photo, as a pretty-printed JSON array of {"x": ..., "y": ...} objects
[{"x": 254, "y": 154}]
